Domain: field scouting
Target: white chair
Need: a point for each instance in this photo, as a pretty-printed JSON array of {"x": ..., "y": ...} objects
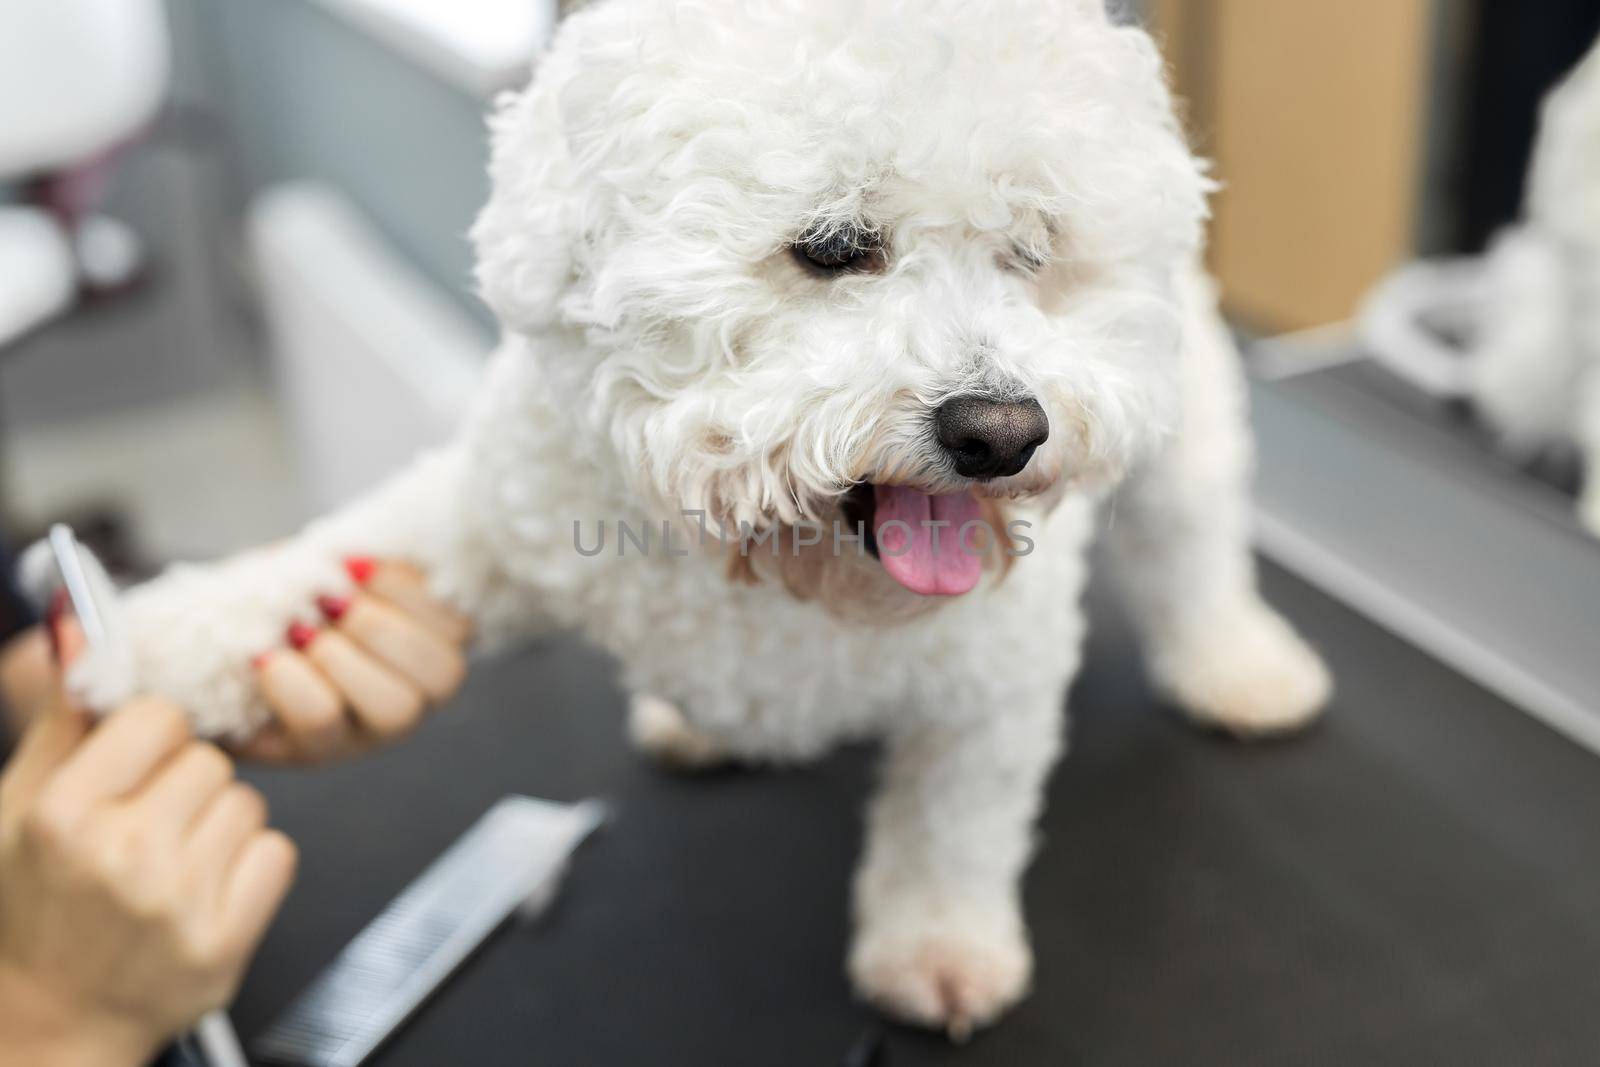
[{"x": 77, "y": 79}]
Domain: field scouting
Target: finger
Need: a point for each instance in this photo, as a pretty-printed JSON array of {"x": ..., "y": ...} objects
[
  {"x": 28, "y": 680},
  {"x": 270, "y": 744},
  {"x": 237, "y": 814},
  {"x": 385, "y": 704},
  {"x": 55, "y": 733},
  {"x": 408, "y": 648},
  {"x": 404, "y": 586},
  {"x": 184, "y": 787},
  {"x": 255, "y": 888},
  {"x": 59, "y": 727},
  {"x": 308, "y": 710},
  {"x": 123, "y": 751}
]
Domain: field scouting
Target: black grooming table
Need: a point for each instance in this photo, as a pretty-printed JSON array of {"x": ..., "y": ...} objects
[{"x": 1413, "y": 883}]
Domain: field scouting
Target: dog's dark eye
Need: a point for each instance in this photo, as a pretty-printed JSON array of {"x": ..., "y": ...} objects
[{"x": 837, "y": 251}]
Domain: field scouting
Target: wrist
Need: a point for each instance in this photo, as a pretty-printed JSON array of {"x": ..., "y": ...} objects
[{"x": 37, "y": 1030}]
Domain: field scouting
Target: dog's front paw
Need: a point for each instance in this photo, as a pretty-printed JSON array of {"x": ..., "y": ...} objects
[
  {"x": 953, "y": 972},
  {"x": 1250, "y": 675}
]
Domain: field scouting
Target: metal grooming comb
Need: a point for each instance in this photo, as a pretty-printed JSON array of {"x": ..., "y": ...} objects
[{"x": 512, "y": 857}]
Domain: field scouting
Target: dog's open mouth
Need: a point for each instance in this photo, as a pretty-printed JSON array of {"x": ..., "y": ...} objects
[{"x": 918, "y": 537}]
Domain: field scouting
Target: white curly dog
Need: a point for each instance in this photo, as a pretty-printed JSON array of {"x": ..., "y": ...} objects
[{"x": 769, "y": 269}]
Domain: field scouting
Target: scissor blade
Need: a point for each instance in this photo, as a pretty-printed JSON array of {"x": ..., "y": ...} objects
[{"x": 75, "y": 579}]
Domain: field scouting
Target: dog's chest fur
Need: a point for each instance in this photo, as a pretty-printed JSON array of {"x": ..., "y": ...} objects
[{"x": 766, "y": 672}]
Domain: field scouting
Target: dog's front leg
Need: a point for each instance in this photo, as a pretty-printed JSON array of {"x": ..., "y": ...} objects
[
  {"x": 195, "y": 629},
  {"x": 1180, "y": 543},
  {"x": 940, "y": 939}
]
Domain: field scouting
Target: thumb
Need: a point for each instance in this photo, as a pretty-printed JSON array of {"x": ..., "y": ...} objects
[{"x": 58, "y": 727}]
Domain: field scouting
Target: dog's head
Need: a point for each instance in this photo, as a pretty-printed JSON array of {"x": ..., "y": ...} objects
[{"x": 884, "y": 256}]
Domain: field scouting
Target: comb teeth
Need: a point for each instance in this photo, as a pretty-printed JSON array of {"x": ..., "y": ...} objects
[{"x": 514, "y": 853}]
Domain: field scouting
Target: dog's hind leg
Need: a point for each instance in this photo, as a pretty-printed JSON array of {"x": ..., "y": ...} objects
[
  {"x": 660, "y": 730},
  {"x": 1180, "y": 544}
]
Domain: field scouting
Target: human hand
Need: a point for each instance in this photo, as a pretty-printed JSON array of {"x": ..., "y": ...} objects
[
  {"x": 136, "y": 878},
  {"x": 387, "y": 653},
  {"x": 27, "y": 678}
]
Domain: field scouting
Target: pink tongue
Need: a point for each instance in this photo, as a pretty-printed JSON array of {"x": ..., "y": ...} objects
[{"x": 907, "y": 548}]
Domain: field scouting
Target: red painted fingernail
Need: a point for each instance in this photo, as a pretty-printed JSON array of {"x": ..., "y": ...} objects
[
  {"x": 300, "y": 635},
  {"x": 361, "y": 568},
  {"x": 260, "y": 660},
  {"x": 333, "y": 607}
]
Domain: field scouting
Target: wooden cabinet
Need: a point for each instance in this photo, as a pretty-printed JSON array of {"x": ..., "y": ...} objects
[{"x": 1313, "y": 112}]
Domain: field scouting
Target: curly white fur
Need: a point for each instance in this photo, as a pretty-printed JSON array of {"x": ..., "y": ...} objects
[
  {"x": 1536, "y": 366},
  {"x": 1040, "y": 216}
]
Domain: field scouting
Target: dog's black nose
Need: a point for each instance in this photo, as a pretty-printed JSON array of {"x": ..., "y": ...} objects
[{"x": 990, "y": 438}]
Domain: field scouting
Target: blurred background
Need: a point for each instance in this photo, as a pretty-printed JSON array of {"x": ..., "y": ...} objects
[{"x": 186, "y": 184}]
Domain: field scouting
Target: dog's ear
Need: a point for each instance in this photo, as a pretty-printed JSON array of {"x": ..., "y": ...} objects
[
  {"x": 1095, "y": 9},
  {"x": 527, "y": 235},
  {"x": 530, "y": 238},
  {"x": 524, "y": 235}
]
